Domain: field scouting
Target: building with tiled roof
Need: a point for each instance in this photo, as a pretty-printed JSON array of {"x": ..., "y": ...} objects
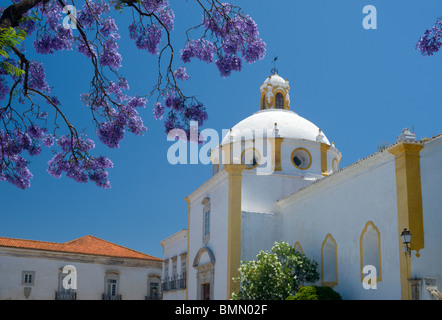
[{"x": 87, "y": 268}]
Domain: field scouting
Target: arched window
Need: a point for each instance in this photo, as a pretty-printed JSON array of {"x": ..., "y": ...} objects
[
  {"x": 329, "y": 261},
  {"x": 279, "y": 101},
  {"x": 206, "y": 219},
  {"x": 298, "y": 247},
  {"x": 335, "y": 165},
  {"x": 370, "y": 247}
]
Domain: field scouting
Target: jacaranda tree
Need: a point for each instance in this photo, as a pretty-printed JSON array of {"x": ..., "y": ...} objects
[
  {"x": 431, "y": 41},
  {"x": 32, "y": 117}
]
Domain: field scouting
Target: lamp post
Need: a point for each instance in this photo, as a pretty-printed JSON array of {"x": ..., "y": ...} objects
[{"x": 406, "y": 239}]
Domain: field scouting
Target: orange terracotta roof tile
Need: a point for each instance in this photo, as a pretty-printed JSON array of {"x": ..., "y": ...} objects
[{"x": 84, "y": 245}]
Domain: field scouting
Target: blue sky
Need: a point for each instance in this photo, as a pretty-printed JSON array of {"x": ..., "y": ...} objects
[{"x": 361, "y": 87}]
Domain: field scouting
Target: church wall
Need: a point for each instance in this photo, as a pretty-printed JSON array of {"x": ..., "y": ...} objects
[
  {"x": 341, "y": 205},
  {"x": 259, "y": 231},
  {"x": 428, "y": 265},
  {"x": 259, "y": 192},
  {"x": 218, "y": 194},
  {"x": 91, "y": 271}
]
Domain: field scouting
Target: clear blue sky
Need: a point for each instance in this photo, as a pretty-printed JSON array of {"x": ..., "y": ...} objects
[{"x": 361, "y": 87}]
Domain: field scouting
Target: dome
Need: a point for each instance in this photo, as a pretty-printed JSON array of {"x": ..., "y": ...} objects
[
  {"x": 275, "y": 79},
  {"x": 288, "y": 124}
]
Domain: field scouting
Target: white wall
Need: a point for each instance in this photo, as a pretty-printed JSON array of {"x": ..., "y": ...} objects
[
  {"x": 430, "y": 261},
  {"x": 259, "y": 192},
  {"x": 217, "y": 190},
  {"x": 133, "y": 280},
  {"x": 174, "y": 246},
  {"x": 259, "y": 231},
  {"x": 341, "y": 205}
]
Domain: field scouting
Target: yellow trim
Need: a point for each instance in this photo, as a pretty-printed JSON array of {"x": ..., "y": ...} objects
[
  {"x": 234, "y": 226},
  {"x": 263, "y": 101},
  {"x": 309, "y": 154},
  {"x": 361, "y": 250},
  {"x": 188, "y": 240},
  {"x": 298, "y": 247},
  {"x": 255, "y": 151},
  {"x": 276, "y": 153},
  {"x": 324, "y": 149},
  {"x": 409, "y": 205},
  {"x": 284, "y": 98},
  {"x": 329, "y": 283},
  {"x": 272, "y": 103}
]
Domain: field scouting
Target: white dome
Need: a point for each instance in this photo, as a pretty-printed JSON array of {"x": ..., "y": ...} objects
[
  {"x": 289, "y": 124},
  {"x": 275, "y": 79}
]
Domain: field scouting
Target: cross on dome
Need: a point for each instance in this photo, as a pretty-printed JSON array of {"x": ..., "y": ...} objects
[{"x": 274, "y": 70}]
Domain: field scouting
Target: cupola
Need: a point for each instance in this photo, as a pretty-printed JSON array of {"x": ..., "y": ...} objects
[{"x": 275, "y": 93}]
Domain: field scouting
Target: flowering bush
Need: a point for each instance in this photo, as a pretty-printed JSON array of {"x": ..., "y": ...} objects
[
  {"x": 225, "y": 36},
  {"x": 316, "y": 293},
  {"x": 275, "y": 275}
]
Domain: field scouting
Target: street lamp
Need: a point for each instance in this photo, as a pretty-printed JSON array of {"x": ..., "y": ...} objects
[
  {"x": 154, "y": 293},
  {"x": 406, "y": 239}
]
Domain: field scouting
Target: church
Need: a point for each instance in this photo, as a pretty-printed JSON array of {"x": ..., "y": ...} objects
[{"x": 276, "y": 176}]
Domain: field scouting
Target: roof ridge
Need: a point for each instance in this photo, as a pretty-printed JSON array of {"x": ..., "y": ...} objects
[
  {"x": 70, "y": 247},
  {"x": 118, "y": 245},
  {"x": 86, "y": 236},
  {"x": 30, "y": 240}
]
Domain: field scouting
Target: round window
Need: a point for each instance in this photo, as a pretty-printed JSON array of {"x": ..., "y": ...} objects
[
  {"x": 250, "y": 157},
  {"x": 301, "y": 158}
]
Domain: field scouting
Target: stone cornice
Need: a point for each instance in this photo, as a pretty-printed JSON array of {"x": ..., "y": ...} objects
[{"x": 77, "y": 257}]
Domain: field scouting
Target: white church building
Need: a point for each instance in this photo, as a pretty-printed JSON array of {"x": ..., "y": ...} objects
[{"x": 276, "y": 177}]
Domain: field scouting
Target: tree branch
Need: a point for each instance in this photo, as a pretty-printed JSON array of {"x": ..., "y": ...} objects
[{"x": 12, "y": 14}]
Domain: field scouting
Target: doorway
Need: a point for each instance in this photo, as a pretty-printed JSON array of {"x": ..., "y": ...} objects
[{"x": 206, "y": 291}]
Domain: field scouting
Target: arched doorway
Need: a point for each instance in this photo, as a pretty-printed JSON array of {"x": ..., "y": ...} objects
[{"x": 204, "y": 263}]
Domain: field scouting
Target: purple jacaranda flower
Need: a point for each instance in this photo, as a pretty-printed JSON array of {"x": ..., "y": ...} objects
[
  {"x": 181, "y": 74},
  {"x": 158, "y": 111}
]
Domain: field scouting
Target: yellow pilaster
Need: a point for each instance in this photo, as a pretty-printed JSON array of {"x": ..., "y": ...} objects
[
  {"x": 234, "y": 226},
  {"x": 276, "y": 152},
  {"x": 324, "y": 149},
  {"x": 409, "y": 204}
]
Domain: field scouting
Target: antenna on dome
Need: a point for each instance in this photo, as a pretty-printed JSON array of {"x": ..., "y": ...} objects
[{"x": 274, "y": 70}]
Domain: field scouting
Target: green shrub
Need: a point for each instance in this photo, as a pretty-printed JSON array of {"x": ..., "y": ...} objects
[{"x": 316, "y": 293}]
